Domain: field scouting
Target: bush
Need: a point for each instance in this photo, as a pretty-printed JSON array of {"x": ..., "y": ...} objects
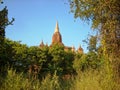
[
  {"x": 15, "y": 81},
  {"x": 91, "y": 79}
]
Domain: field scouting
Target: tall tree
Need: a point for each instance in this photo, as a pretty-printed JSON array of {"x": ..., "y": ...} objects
[
  {"x": 3, "y": 23},
  {"x": 105, "y": 17}
]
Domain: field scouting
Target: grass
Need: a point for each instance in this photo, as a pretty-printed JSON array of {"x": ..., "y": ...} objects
[
  {"x": 94, "y": 80},
  {"x": 88, "y": 80}
]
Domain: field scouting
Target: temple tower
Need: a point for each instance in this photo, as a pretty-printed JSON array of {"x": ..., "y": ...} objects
[
  {"x": 57, "y": 38},
  {"x": 80, "y": 50},
  {"x": 41, "y": 44}
]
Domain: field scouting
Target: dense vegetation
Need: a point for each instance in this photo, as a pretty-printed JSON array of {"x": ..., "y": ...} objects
[
  {"x": 105, "y": 18},
  {"x": 53, "y": 68}
]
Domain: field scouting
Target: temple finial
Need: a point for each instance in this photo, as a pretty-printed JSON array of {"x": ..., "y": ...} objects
[{"x": 57, "y": 27}]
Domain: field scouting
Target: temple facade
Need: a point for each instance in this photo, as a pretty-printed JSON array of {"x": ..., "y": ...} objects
[{"x": 57, "y": 39}]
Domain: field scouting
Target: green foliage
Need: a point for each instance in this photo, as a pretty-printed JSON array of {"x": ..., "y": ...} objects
[
  {"x": 48, "y": 59},
  {"x": 94, "y": 80},
  {"x": 3, "y": 23},
  {"x": 17, "y": 81},
  {"x": 67, "y": 63},
  {"x": 87, "y": 61},
  {"x": 57, "y": 53},
  {"x": 51, "y": 83},
  {"x": 99, "y": 11},
  {"x": 105, "y": 18},
  {"x": 88, "y": 80},
  {"x": 92, "y": 45},
  {"x": 62, "y": 61}
]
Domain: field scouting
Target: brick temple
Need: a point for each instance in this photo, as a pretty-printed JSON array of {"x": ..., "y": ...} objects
[{"x": 57, "y": 39}]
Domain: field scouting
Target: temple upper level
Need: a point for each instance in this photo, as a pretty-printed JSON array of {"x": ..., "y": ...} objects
[{"x": 57, "y": 38}]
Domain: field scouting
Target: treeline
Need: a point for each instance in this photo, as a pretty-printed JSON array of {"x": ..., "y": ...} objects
[
  {"x": 46, "y": 60},
  {"x": 53, "y": 68}
]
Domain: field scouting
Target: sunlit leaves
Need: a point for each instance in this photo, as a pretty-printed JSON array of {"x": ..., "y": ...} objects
[{"x": 105, "y": 17}]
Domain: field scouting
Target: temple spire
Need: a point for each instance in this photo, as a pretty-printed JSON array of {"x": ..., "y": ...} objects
[
  {"x": 42, "y": 44},
  {"x": 73, "y": 49},
  {"x": 57, "y": 27}
]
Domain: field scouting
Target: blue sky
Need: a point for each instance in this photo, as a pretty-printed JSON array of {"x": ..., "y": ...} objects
[{"x": 35, "y": 21}]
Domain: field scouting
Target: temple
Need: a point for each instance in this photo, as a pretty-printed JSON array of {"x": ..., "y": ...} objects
[{"x": 57, "y": 39}]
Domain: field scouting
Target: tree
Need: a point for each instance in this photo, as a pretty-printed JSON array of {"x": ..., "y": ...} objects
[
  {"x": 92, "y": 43},
  {"x": 44, "y": 60},
  {"x": 67, "y": 63},
  {"x": 57, "y": 53},
  {"x": 3, "y": 23},
  {"x": 105, "y": 17}
]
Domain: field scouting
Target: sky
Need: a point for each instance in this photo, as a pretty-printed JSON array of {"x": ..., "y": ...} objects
[{"x": 35, "y": 20}]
